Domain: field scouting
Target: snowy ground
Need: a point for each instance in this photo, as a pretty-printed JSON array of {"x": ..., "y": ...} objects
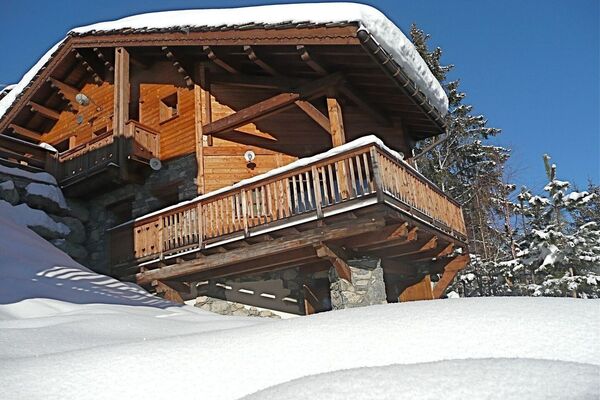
[{"x": 66, "y": 332}]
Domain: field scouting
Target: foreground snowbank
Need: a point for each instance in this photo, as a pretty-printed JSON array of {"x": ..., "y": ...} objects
[
  {"x": 498, "y": 378},
  {"x": 66, "y": 332}
]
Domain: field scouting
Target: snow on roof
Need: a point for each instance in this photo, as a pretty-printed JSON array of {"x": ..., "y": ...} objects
[{"x": 389, "y": 36}]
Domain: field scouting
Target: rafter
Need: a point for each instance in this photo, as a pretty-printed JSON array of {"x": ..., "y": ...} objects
[
  {"x": 87, "y": 66},
  {"x": 306, "y": 57},
  {"x": 272, "y": 105},
  {"x": 213, "y": 57},
  {"x": 19, "y": 130},
  {"x": 257, "y": 81},
  {"x": 256, "y": 60},
  {"x": 44, "y": 111},
  {"x": 107, "y": 64},
  {"x": 178, "y": 66},
  {"x": 67, "y": 92}
]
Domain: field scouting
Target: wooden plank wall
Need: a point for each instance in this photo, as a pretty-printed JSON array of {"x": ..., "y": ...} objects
[
  {"x": 224, "y": 162},
  {"x": 94, "y": 120}
]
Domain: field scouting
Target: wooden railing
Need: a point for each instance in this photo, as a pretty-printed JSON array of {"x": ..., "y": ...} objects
[
  {"x": 104, "y": 149},
  {"x": 308, "y": 190}
]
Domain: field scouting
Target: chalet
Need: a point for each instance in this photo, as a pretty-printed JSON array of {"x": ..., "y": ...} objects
[{"x": 258, "y": 154}]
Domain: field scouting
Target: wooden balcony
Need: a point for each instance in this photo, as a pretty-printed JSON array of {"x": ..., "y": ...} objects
[
  {"x": 335, "y": 184},
  {"x": 106, "y": 155}
]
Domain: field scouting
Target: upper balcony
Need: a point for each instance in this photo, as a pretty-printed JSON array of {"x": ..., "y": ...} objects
[
  {"x": 355, "y": 189},
  {"x": 123, "y": 154}
]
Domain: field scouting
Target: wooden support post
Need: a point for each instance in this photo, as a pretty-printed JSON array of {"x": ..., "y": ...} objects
[
  {"x": 336, "y": 259},
  {"x": 200, "y": 94},
  {"x": 450, "y": 271},
  {"x": 377, "y": 178},
  {"x": 121, "y": 91},
  {"x": 419, "y": 291},
  {"x": 205, "y": 101},
  {"x": 338, "y": 136},
  {"x": 170, "y": 290}
]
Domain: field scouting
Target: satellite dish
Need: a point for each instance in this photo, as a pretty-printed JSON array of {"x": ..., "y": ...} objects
[
  {"x": 249, "y": 156},
  {"x": 155, "y": 164},
  {"x": 82, "y": 99}
]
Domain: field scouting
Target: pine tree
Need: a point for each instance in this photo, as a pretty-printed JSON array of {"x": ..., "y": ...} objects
[
  {"x": 559, "y": 254},
  {"x": 470, "y": 171}
]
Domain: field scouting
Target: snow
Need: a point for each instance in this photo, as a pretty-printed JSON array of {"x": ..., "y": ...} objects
[
  {"x": 512, "y": 379},
  {"x": 389, "y": 36},
  {"x": 34, "y": 176},
  {"x": 50, "y": 192},
  {"x": 48, "y": 146},
  {"x": 69, "y": 333},
  {"x": 27, "y": 216}
]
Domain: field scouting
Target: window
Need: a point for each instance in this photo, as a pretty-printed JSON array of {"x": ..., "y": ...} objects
[
  {"x": 65, "y": 145},
  {"x": 168, "y": 107}
]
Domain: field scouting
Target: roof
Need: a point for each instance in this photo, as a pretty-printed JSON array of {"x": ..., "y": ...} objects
[{"x": 369, "y": 19}]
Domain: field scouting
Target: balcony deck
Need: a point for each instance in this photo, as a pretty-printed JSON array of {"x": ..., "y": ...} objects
[{"x": 352, "y": 194}]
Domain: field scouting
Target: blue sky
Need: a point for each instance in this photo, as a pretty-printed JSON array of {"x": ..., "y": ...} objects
[{"x": 530, "y": 67}]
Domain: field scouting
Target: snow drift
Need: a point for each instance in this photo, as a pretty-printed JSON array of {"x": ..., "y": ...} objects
[{"x": 68, "y": 333}]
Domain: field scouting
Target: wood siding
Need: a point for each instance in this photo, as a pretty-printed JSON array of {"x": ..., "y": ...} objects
[{"x": 93, "y": 120}]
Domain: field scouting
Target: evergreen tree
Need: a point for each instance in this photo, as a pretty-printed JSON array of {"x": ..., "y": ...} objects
[
  {"x": 470, "y": 171},
  {"x": 559, "y": 254}
]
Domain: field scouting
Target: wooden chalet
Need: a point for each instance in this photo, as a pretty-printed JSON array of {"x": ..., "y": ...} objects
[{"x": 277, "y": 119}]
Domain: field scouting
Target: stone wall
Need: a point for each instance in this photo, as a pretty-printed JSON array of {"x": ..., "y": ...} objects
[
  {"x": 225, "y": 307},
  {"x": 174, "y": 182},
  {"x": 366, "y": 287}
]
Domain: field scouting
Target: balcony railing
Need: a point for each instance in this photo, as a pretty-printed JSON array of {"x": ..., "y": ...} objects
[
  {"x": 344, "y": 178},
  {"x": 138, "y": 141}
]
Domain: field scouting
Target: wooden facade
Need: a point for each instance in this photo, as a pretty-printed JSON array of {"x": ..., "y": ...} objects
[{"x": 112, "y": 103}]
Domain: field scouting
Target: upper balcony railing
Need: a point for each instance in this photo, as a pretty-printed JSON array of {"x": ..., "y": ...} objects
[
  {"x": 339, "y": 180},
  {"x": 139, "y": 141}
]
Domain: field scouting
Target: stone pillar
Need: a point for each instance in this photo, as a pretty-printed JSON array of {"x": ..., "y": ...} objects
[{"x": 366, "y": 287}]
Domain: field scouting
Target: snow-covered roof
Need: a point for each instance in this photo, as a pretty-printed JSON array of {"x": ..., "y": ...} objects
[{"x": 384, "y": 31}]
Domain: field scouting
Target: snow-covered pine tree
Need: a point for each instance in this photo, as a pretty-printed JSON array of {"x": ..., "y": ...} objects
[
  {"x": 559, "y": 254},
  {"x": 469, "y": 170}
]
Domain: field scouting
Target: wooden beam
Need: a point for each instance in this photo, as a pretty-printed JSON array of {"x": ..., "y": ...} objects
[
  {"x": 306, "y": 57},
  {"x": 419, "y": 291},
  {"x": 338, "y": 135},
  {"x": 305, "y": 239},
  {"x": 201, "y": 98},
  {"x": 87, "y": 66},
  {"x": 121, "y": 91},
  {"x": 386, "y": 234},
  {"x": 67, "y": 92},
  {"x": 259, "y": 62},
  {"x": 213, "y": 57},
  {"x": 314, "y": 113},
  {"x": 337, "y": 260},
  {"x": 170, "y": 290},
  {"x": 19, "y": 130},
  {"x": 44, "y": 111},
  {"x": 107, "y": 64},
  {"x": 178, "y": 66},
  {"x": 257, "y": 81},
  {"x": 450, "y": 271},
  {"x": 271, "y": 106}
]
